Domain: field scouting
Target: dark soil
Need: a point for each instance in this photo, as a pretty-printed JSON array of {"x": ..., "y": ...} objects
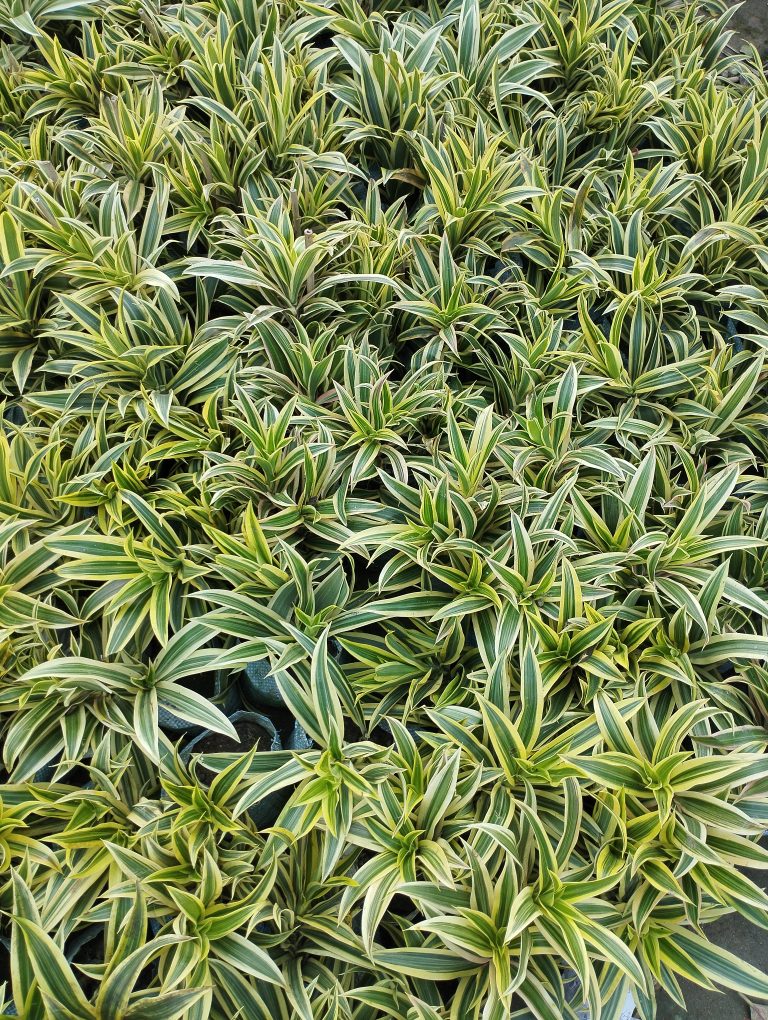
[{"x": 250, "y": 733}]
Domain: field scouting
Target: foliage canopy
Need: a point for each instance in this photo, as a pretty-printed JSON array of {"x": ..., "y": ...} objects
[{"x": 396, "y": 370}]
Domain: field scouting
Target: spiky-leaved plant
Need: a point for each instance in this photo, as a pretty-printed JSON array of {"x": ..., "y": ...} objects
[{"x": 398, "y": 371}]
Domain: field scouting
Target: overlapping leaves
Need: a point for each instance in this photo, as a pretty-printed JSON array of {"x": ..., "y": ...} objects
[{"x": 398, "y": 371}]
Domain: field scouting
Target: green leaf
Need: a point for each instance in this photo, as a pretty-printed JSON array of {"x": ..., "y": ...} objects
[
  {"x": 428, "y": 964},
  {"x": 248, "y": 958},
  {"x": 725, "y": 647},
  {"x": 194, "y": 708},
  {"x": 52, "y": 971}
]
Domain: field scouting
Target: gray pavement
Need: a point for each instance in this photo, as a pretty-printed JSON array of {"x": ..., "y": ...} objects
[
  {"x": 747, "y": 942},
  {"x": 751, "y": 22},
  {"x": 732, "y": 932}
]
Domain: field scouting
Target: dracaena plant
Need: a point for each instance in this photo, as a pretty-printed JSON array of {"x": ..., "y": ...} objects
[
  {"x": 65, "y": 705},
  {"x": 48, "y": 985},
  {"x": 204, "y": 921},
  {"x": 394, "y": 377}
]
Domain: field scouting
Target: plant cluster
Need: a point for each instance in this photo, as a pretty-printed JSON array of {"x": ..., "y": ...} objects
[{"x": 383, "y": 387}]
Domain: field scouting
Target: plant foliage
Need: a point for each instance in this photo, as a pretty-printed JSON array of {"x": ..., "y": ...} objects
[{"x": 399, "y": 367}]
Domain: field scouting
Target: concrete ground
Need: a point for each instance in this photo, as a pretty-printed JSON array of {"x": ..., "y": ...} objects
[
  {"x": 733, "y": 932},
  {"x": 751, "y": 23},
  {"x": 743, "y": 940}
]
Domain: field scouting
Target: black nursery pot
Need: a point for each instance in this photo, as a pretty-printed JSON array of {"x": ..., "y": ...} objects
[
  {"x": 258, "y": 688},
  {"x": 296, "y": 738},
  {"x": 732, "y": 333},
  {"x": 214, "y": 686},
  {"x": 254, "y": 730}
]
